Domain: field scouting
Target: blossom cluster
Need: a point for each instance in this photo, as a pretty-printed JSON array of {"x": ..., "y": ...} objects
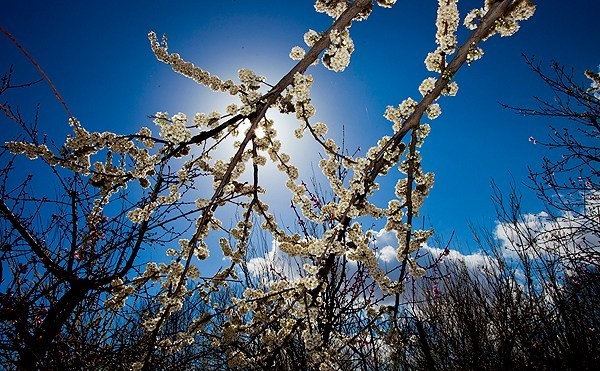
[
  {"x": 418, "y": 238},
  {"x": 285, "y": 303},
  {"x": 337, "y": 56},
  {"x": 297, "y": 53},
  {"x": 301, "y": 96},
  {"x": 595, "y": 83},
  {"x": 386, "y": 3},
  {"x": 145, "y": 137},
  {"x": 447, "y": 24},
  {"x": 333, "y": 8},
  {"x": 120, "y": 293},
  {"x": 78, "y": 150},
  {"x": 397, "y": 115},
  {"x": 505, "y": 26},
  {"x": 474, "y": 53},
  {"x": 361, "y": 252},
  {"x": 33, "y": 151},
  {"x": 144, "y": 213},
  {"x": 188, "y": 69},
  {"x": 250, "y": 79},
  {"x": 174, "y": 129},
  {"x": 311, "y": 37},
  {"x": 206, "y": 120},
  {"x": 427, "y": 86}
]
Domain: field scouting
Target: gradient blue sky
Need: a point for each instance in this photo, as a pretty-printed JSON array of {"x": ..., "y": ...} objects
[{"x": 97, "y": 54}]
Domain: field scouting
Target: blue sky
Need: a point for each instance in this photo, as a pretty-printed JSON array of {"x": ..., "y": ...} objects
[{"x": 98, "y": 56}]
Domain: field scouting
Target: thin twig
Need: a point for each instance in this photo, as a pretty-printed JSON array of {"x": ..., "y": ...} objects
[{"x": 40, "y": 70}]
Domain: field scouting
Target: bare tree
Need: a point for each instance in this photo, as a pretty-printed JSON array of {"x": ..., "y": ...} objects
[
  {"x": 569, "y": 179},
  {"x": 508, "y": 312}
]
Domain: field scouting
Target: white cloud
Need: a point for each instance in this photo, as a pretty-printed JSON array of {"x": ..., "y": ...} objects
[
  {"x": 387, "y": 254},
  {"x": 387, "y": 244},
  {"x": 277, "y": 262},
  {"x": 256, "y": 266},
  {"x": 474, "y": 260},
  {"x": 384, "y": 237},
  {"x": 572, "y": 234}
]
